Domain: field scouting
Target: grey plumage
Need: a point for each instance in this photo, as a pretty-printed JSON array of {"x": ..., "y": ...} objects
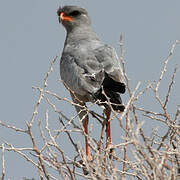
[{"x": 87, "y": 64}]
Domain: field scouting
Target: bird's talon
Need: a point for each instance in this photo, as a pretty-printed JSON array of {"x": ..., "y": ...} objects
[
  {"x": 111, "y": 151},
  {"x": 90, "y": 161}
]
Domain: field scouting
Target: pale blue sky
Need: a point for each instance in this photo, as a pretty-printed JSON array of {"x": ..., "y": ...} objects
[{"x": 30, "y": 36}]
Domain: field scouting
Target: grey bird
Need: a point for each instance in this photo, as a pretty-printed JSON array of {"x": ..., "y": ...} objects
[{"x": 89, "y": 68}]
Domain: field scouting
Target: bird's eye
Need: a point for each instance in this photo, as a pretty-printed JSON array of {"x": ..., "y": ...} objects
[{"x": 75, "y": 13}]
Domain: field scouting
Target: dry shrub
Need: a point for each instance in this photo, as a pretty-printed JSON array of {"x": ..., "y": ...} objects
[{"x": 139, "y": 155}]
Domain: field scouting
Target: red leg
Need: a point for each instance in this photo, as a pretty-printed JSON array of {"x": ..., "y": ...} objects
[
  {"x": 108, "y": 134},
  {"x": 85, "y": 124},
  {"x": 108, "y": 127}
]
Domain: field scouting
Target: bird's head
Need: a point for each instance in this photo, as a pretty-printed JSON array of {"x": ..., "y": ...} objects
[{"x": 73, "y": 16}]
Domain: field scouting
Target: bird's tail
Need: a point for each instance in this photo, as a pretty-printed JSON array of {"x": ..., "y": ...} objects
[{"x": 109, "y": 96}]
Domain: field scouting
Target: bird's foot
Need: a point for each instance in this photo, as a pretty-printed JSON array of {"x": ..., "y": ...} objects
[
  {"x": 87, "y": 165},
  {"x": 111, "y": 151}
]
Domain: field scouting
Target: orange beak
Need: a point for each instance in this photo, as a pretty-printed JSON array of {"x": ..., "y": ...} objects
[{"x": 63, "y": 17}]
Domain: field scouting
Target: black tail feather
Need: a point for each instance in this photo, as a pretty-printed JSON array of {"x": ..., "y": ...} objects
[
  {"x": 112, "y": 90},
  {"x": 114, "y": 98},
  {"x": 113, "y": 85}
]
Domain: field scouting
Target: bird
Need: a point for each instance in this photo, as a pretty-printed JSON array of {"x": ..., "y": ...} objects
[{"x": 89, "y": 68}]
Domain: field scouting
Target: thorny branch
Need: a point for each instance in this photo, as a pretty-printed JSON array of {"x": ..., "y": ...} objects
[{"x": 3, "y": 163}]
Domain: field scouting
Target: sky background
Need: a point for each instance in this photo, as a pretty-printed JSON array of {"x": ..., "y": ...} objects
[{"x": 30, "y": 37}]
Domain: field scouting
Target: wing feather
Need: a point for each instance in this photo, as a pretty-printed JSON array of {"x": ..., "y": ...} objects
[
  {"x": 107, "y": 56},
  {"x": 82, "y": 78}
]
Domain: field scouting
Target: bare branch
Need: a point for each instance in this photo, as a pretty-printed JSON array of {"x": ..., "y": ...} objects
[{"x": 3, "y": 163}]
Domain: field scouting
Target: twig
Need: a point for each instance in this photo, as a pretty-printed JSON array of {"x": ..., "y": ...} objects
[
  {"x": 49, "y": 72},
  {"x": 41, "y": 92},
  {"x": 123, "y": 64},
  {"x": 3, "y": 163},
  {"x": 170, "y": 87},
  {"x": 12, "y": 127}
]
